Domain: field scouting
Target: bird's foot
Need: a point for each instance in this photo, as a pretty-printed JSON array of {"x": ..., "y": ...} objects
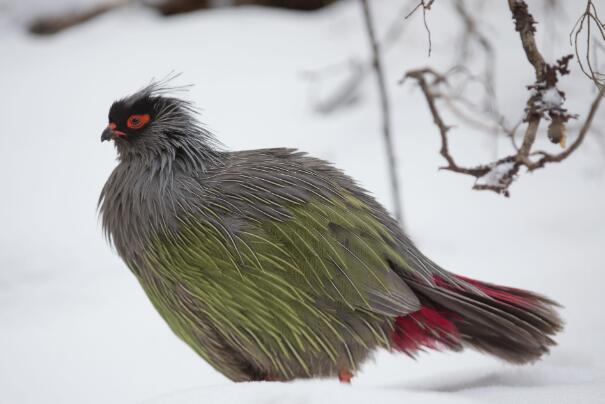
[{"x": 345, "y": 376}]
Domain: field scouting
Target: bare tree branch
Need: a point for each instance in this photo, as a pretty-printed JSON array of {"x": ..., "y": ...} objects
[
  {"x": 545, "y": 102},
  {"x": 386, "y": 112},
  {"x": 55, "y": 24},
  {"x": 430, "y": 96}
]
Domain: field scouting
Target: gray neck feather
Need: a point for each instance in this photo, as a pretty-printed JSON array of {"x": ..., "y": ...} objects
[{"x": 153, "y": 180}]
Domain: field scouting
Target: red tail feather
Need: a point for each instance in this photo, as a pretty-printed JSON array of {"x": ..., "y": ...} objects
[
  {"x": 514, "y": 296},
  {"x": 513, "y": 324},
  {"x": 426, "y": 327}
]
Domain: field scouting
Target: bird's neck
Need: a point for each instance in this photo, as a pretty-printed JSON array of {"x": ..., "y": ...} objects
[{"x": 192, "y": 155}]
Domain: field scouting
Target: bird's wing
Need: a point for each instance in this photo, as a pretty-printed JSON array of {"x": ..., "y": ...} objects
[{"x": 286, "y": 218}]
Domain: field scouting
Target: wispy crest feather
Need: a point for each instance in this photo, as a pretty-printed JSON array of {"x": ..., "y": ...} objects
[{"x": 175, "y": 129}]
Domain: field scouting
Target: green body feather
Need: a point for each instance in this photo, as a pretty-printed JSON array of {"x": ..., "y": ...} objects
[{"x": 285, "y": 295}]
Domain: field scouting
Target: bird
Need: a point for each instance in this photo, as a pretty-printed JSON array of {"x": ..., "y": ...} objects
[{"x": 273, "y": 265}]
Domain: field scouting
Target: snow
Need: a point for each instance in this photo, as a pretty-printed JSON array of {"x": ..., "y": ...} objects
[
  {"x": 551, "y": 98},
  {"x": 77, "y": 328},
  {"x": 496, "y": 174}
]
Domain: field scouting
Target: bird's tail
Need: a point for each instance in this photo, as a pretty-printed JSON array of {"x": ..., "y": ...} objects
[{"x": 513, "y": 324}]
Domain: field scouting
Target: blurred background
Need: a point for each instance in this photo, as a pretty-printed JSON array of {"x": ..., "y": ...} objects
[{"x": 75, "y": 327}]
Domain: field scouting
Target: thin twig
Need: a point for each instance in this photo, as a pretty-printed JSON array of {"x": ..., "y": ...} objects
[
  {"x": 425, "y": 5},
  {"x": 586, "y": 62},
  {"x": 386, "y": 112}
]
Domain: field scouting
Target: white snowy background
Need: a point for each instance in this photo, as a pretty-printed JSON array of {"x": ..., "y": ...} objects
[{"x": 75, "y": 327}]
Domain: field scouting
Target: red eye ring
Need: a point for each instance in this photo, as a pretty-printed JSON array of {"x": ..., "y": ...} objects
[{"x": 137, "y": 121}]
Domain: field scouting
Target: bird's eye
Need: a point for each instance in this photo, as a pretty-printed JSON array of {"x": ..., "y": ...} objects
[{"x": 137, "y": 121}]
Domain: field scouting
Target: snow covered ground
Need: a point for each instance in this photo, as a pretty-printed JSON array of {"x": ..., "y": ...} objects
[{"x": 75, "y": 327}]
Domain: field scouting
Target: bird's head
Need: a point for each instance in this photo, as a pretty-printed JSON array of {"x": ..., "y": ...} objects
[
  {"x": 151, "y": 124},
  {"x": 131, "y": 118}
]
